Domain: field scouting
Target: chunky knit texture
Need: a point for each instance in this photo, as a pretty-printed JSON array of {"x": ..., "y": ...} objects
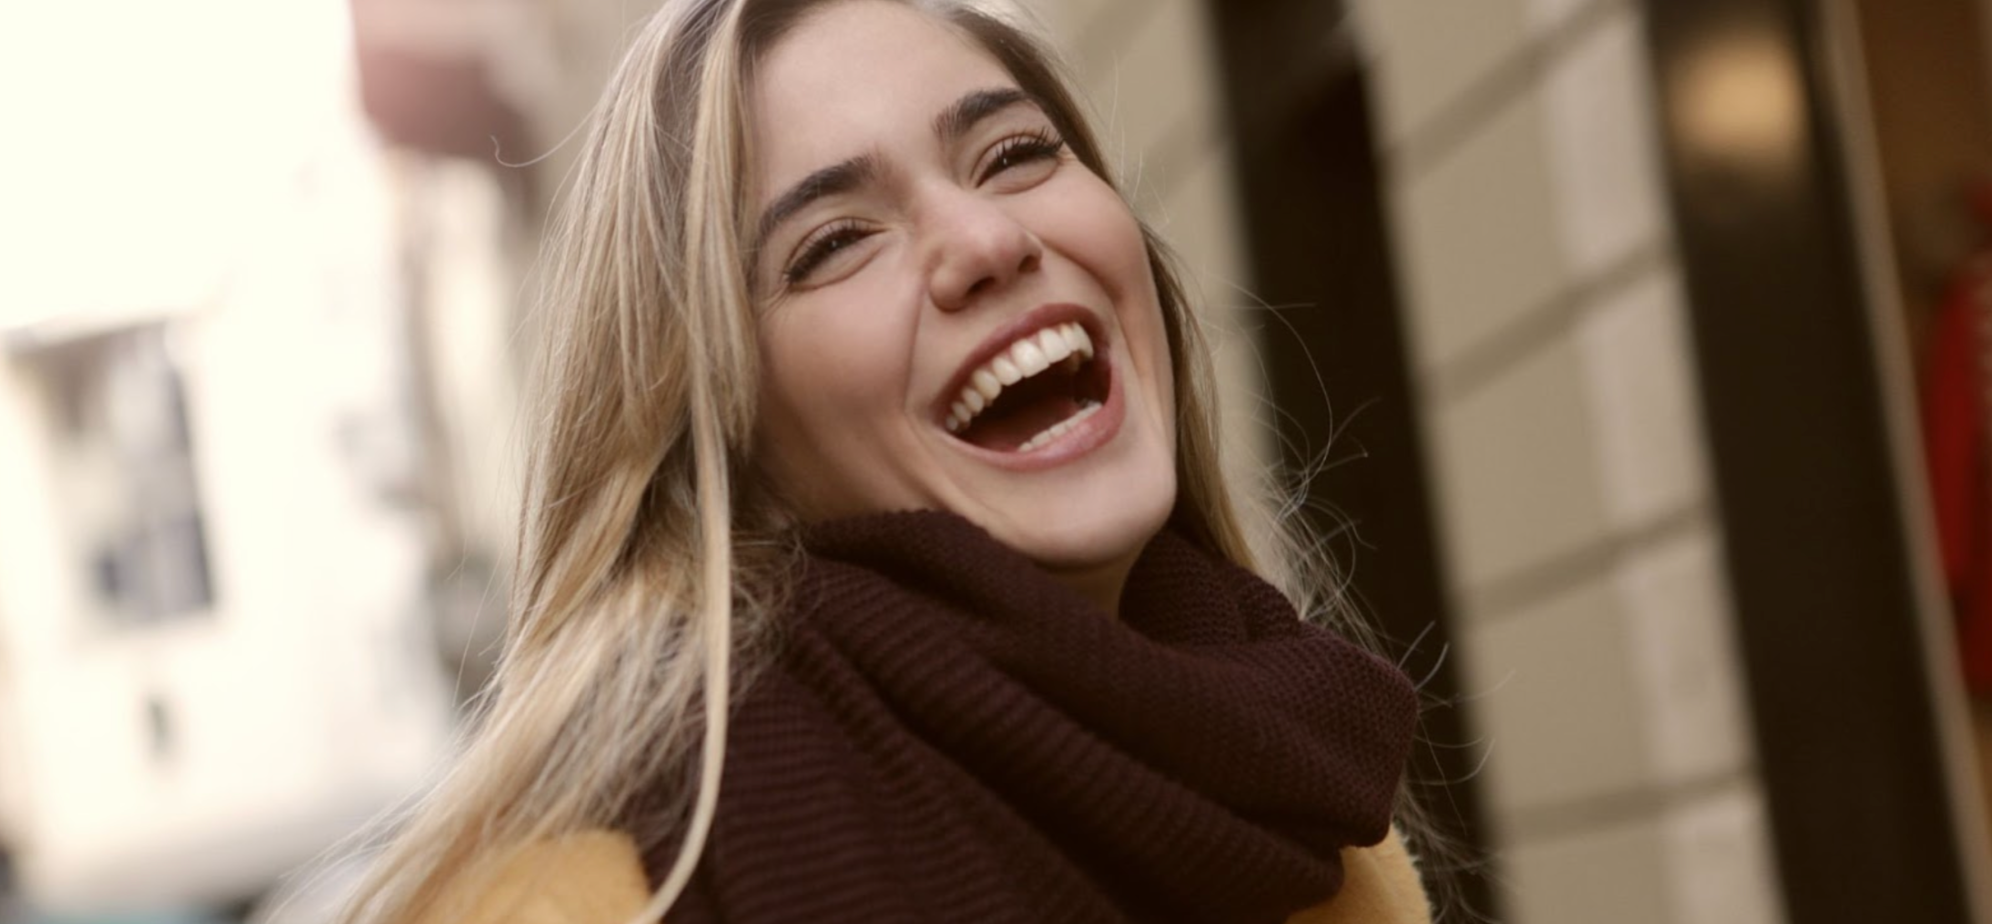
[{"x": 953, "y": 735}]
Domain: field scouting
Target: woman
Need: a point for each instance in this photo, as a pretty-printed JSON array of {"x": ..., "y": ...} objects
[{"x": 879, "y": 470}]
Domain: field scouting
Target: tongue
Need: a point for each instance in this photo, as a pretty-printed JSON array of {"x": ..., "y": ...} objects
[{"x": 1007, "y": 428}]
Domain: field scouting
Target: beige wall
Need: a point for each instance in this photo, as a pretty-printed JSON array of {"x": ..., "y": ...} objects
[{"x": 1550, "y": 346}]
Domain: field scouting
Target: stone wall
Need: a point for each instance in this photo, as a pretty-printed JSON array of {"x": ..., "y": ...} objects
[{"x": 1583, "y": 544}]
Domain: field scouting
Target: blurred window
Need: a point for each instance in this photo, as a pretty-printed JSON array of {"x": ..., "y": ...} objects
[{"x": 126, "y": 466}]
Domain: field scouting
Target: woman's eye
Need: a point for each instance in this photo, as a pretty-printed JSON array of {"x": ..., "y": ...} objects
[
  {"x": 819, "y": 248},
  {"x": 1020, "y": 150}
]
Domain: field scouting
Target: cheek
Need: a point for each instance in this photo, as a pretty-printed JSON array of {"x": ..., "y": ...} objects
[
  {"x": 1161, "y": 374},
  {"x": 1097, "y": 228},
  {"x": 830, "y": 384},
  {"x": 1099, "y": 231},
  {"x": 826, "y": 365},
  {"x": 1107, "y": 239}
]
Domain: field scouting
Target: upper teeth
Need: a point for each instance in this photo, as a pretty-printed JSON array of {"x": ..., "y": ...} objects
[{"x": 1025, "y": 358}]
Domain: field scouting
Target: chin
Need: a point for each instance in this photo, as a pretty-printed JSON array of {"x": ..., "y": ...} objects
[{"x": 1087, "y": 535}]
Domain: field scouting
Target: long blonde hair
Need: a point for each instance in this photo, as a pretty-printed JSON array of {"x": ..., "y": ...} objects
[{"x": 649, "y": 559}]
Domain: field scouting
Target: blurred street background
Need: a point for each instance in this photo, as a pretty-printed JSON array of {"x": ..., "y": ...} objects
[{"x": 1636, "y": 355}]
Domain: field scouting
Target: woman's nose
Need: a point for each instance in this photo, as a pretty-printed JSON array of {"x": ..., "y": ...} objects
[{"x": 978, "y": 247}]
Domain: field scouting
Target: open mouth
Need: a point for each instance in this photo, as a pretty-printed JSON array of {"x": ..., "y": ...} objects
[{"x": 1031, "y": 393}]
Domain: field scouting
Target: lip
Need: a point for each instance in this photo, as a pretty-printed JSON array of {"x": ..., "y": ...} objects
[
  {"x": 1001, "y": 338},
  {"x": 1086, "y": 436},
  {"x": 1083, "y": 438}
]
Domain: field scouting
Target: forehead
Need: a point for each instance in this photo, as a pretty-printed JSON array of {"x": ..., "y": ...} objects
[{"x": 854, "y": 76}]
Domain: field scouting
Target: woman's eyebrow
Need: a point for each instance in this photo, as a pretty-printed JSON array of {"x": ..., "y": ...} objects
[
  {"x": 960, "y": 117},
  {"x": 957, "y": 120},
  {"x": 837, "y": 178}
]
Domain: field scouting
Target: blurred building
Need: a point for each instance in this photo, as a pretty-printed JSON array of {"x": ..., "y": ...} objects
[{"x": 232, "y": 512}]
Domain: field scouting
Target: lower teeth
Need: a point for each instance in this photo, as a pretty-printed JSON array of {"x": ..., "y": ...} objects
[{"x": 1086, "y": 409}]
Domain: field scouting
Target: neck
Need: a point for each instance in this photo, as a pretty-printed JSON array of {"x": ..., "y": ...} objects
[{"x": 1101, "y": 584}]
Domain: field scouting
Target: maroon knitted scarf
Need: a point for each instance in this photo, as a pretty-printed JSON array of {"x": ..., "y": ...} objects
[{"x": 951, "y": 734}]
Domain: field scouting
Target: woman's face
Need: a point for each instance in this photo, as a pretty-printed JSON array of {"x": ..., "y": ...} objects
[{"x": 955, "y": 313}]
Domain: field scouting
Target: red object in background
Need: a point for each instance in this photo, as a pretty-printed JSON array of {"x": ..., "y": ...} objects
[
  {"x": 1955, "y": 442},
  {"x": 427, "y": 82}
]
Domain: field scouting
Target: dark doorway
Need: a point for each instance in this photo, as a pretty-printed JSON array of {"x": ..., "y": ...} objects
[{"x": 1818, "y": 546}]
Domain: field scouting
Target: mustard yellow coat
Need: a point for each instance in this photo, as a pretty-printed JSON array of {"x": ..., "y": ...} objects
[{"x": 596, "y": 878}]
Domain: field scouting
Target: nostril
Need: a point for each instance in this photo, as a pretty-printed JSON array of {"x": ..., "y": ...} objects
[{"x": 976, "y": 268}]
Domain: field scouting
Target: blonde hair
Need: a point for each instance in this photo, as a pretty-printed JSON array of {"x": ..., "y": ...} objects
[{"x": 649, "y": 559}]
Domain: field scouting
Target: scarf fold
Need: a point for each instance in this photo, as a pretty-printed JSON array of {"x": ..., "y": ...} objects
[{"x": 951, "y": 734}]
